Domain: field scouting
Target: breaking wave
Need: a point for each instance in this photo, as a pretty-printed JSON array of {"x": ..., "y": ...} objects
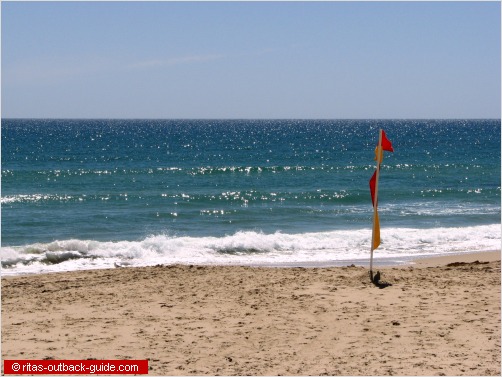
[{"x": 248, "y": 248}]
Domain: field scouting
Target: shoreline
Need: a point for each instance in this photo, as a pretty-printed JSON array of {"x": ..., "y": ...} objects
[
  {"x": 389, "y": 262},
  {"x": 235, "y": 320},
  {"x": 442, "y": 260}
]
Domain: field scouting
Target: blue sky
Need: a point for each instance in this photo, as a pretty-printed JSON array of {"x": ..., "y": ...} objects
[{"x": 251, "y": 60}]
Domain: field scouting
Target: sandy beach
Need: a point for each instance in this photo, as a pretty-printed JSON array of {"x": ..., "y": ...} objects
[{"x": 439, "y": 317}]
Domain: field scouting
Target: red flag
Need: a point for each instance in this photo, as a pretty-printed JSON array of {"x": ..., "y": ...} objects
[
  {"x": 386, "y": 144},
  {"x": 372, "y": 187}
]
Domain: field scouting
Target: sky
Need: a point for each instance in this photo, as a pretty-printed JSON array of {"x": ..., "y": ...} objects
[{"x": 240, "y": 60}]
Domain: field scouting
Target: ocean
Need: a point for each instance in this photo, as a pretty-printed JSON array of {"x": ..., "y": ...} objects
[{"x": 86, "y": 194}]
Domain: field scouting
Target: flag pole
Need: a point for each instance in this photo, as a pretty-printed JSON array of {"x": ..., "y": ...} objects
[{"x": 378, "y": 156}]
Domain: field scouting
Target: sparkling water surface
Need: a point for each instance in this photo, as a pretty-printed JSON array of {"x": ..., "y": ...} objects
[{"x": 82, "y": 194}]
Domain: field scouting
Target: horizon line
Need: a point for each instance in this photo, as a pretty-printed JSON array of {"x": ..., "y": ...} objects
[{"x": 237, "y": 118}]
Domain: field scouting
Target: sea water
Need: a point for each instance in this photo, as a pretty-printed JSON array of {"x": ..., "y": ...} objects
[{"x": 84, "y": 194}]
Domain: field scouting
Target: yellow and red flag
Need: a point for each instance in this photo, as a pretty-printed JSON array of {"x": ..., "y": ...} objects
[{"x": 384, "y": 144}]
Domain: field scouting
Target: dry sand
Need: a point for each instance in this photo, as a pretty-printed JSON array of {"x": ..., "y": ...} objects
[{"x": 433, "y": 320}]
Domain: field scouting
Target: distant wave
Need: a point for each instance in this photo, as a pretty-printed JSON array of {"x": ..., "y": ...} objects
[
  {"x": 234, "y": 169},
  {"x": 354, "y": 196}
]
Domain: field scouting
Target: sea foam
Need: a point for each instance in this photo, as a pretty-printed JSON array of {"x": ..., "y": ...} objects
[{"x": 249, "y": 248}]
